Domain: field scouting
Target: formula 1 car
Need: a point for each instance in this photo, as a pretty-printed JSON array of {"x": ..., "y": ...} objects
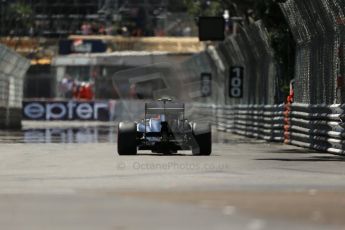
[{"x": 164, "y": 130}]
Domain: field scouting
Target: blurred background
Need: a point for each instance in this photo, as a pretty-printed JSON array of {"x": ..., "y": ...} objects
[
  {"x": 70, "y": 70},
  {"x": 75, "y": 43}
]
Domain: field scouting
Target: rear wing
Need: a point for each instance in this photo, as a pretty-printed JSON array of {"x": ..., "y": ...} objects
[{"x": 164, "y": 108}]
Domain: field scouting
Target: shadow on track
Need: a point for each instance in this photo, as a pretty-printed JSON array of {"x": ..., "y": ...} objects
[
  {"x": 294, "y": 151},
  {"x": 307, "y": 159}
]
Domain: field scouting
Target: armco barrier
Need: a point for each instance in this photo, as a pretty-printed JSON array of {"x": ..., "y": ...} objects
[
  {"x": 317, "y": 127},
  {"x": 259, "y": 121}
]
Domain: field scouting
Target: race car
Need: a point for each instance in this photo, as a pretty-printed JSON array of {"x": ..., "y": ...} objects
[{"x": 164, "y": 130}]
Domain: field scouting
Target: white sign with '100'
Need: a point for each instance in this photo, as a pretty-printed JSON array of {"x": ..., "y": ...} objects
[{"x": 236, "y": 82}]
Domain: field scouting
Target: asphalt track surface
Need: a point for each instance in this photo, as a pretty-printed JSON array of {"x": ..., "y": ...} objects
[{"x": 53, "y": 176}]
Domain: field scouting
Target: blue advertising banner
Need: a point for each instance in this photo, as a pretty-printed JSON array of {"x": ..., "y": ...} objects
[{"x": 68, "y": 110}]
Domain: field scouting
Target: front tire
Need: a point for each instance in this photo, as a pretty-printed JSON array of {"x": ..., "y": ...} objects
[
  {"x": 202, "y": 139},
  {"x": 127, "y": 138}
]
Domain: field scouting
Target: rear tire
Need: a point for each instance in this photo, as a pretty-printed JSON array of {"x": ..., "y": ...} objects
[
  {"x": 127, "y": 138},
  {"x": 202, "y": 139}
]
